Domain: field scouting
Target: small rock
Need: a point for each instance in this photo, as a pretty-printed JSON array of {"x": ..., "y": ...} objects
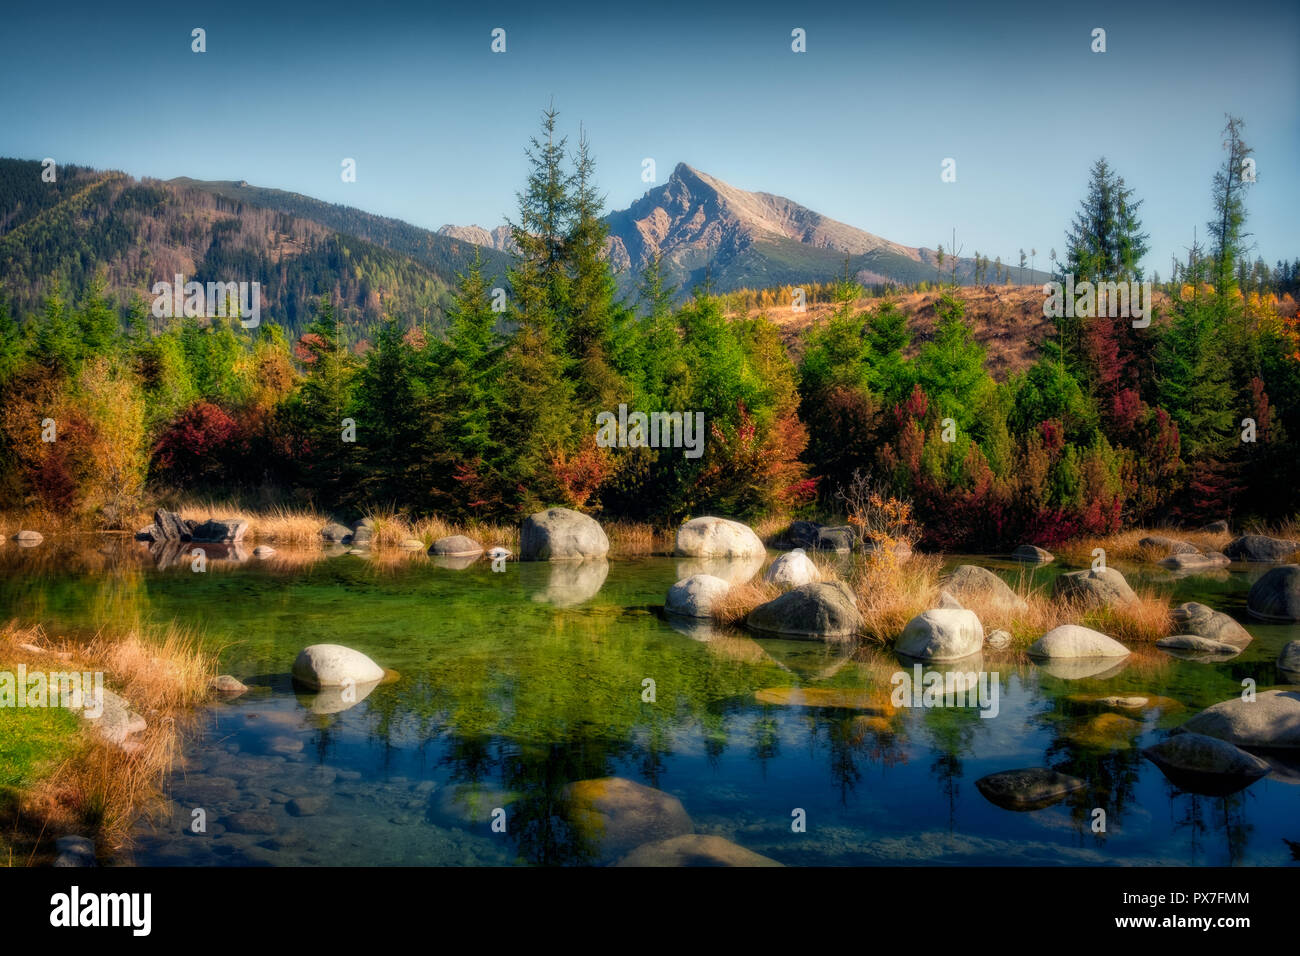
[
  {"x": 831, "y": 698},
  {"x": 455, "y": 545},
  {"x": 219, "y": 530},
  {"x": 1215, "y": 527},
  {"x": 74, "y": 851},
  {"x": 169, "y": 526},
  {"x": 336, "y": 532},
  {"x": 411, "y": 544},
  {"x": 1271, "y": 720},
  {"x": 225, "y": 684},
  {"x": 1030, "y": 554},
  {"x": 998, "y": 639},
  {"x": 1195, "y": 562},
  {"x": 307, "y": 806},
  {"x": 973, "y": 582},
  {"x": 839, "y": 539},
  {"x": 1201, "y": 645},
  {"x": 1199, "y": 619},
  {"x": 256, "y": 822},
  {"x": 263, "y": 551},
  {"x": 613, "y": 815},
  {"x": 1288, "y": 661}
]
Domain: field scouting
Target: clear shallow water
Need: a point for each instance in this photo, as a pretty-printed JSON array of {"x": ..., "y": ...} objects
[{"x": 514, "y": 684}]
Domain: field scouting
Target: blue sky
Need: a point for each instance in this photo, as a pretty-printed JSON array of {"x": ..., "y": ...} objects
[{"x": 855, "y": 128}]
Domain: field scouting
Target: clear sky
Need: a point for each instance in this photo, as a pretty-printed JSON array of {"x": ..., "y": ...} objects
[{"x": 855, "y": 128}]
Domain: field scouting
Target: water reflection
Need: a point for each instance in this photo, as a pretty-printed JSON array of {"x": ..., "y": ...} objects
[{"x": 518, "y": 684}]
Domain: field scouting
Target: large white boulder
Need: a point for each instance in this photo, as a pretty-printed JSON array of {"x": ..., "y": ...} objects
[
  {"x": 694, "y": 596},
  {"x": 1074, "y": 642},
  {"x": 333, "y": 665},
  {"x": 711, "y": 537},
  {"x": 942, "y": 634},
  {"x": 792, "y": 569}
]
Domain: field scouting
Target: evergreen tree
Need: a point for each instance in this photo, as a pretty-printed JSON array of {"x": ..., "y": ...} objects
[
  {"x": 593, "y": 311},
  {"x": 538, "y": 396},
  {"x": 1227, "y": 238}
]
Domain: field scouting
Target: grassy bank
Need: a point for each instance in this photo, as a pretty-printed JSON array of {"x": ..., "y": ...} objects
[{"x": 57, "y": 774}]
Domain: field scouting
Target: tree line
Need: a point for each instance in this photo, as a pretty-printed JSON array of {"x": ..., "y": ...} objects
[{"x": 492, "y": 414}]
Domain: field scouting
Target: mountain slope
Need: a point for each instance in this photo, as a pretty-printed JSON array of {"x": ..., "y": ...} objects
[
  {"x": 707, "y": 230},
  {"x": 137, "y": 233}
]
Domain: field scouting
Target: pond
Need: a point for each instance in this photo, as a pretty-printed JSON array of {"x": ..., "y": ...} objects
[{"x": 518, "y": 682}]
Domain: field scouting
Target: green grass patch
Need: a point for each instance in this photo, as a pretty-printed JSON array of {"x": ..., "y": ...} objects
[{"x": 32, "y": 741}]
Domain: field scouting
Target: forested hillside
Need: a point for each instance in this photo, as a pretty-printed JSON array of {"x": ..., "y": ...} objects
[{"x": 136, "y": 233}]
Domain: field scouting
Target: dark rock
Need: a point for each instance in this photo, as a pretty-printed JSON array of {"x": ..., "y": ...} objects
[
  {"x": 1261, "y": 548},
  {"x": 169, "y": 526},
  {"x": 1276, "y": 595},
  {"x": 823, "y": 610},
  {"x": 1032, "y": 788}
]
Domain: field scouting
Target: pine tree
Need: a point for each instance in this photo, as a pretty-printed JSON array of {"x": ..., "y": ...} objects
[
  {"x": 540, "y": 416},
  {"x": 390, "y": 430},
  {"x": 316, "y": 416},
  {"x": 593, "y": 311},
  {"x": 1227, "y": 238}
]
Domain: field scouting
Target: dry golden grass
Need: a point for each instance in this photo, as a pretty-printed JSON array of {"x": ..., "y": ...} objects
[
  {"x": 101, "y": 789},
  {"x": 892, "y": 592},
  {"x": 635, "y": 538},
  {"x": 1125, "y": 546},
  {"x": 274, "y": 525},
  {"x": 741, "y": 599}
]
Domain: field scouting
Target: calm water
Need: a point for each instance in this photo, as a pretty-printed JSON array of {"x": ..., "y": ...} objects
[{"x": 514, "y": 684}]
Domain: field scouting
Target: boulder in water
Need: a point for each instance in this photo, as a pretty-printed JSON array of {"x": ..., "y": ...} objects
[
  {"x": 561, "y": 534},
  {"x": 1095, "y": 587},
  {"x": 942, "y": 634},
  {"x": 1032, "y": 788},
  {"x": 695, "y": 596},
  {"x": 1070, "y": 641},
  {"x": 1261, "y": 548},
  {"x": 1276, "y": 595},
  {"x": 711, "y": 537},
  {"x": 792, "y": 569},
  {"x": 826, "y": 610},
  {"x": 333, "y": 665}
]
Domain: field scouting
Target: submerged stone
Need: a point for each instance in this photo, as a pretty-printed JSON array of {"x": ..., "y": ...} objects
[
  {"x": 1032, "y": 788},
  {"x": 694, "y": 849}
]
